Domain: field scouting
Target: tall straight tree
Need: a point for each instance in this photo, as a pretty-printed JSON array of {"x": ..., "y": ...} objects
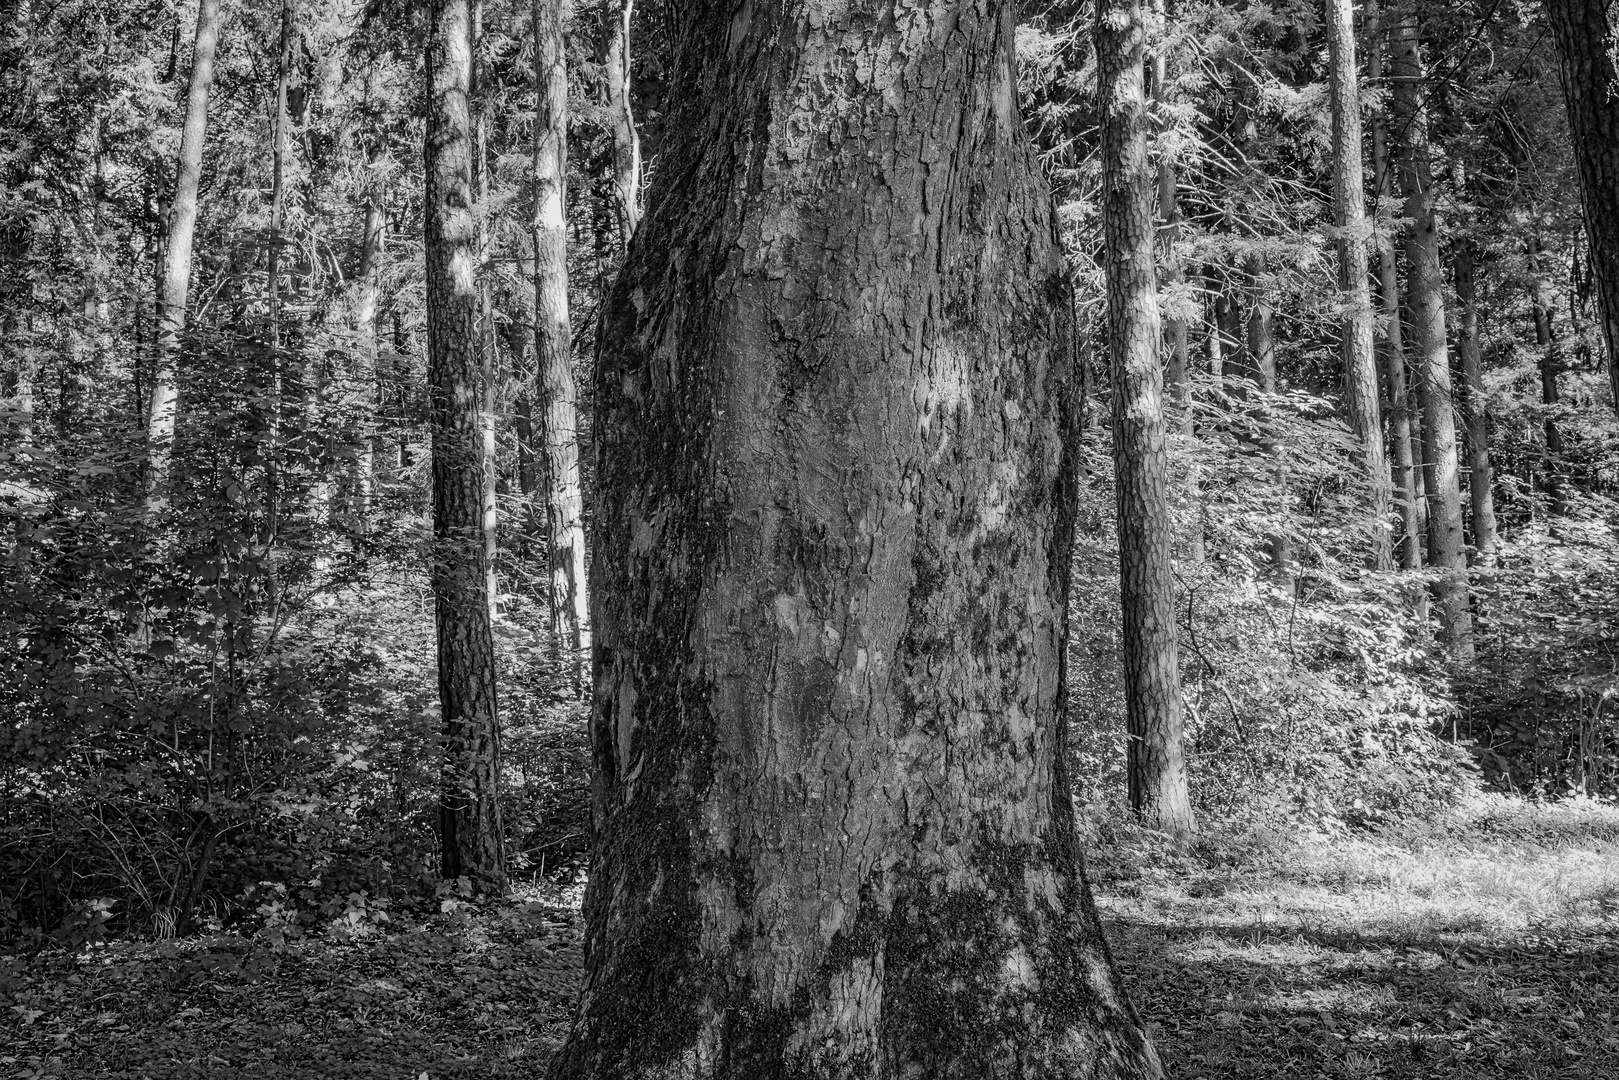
[
  {"x": 1156, "y": 762},
  {"x": 1354, "y": 288},
  {"x": 469, "y": 813},
  {"x": 1430, "y": 353},
  {"x": 175, "y": 276},
  {"x": 367, "y": 289},
  {"x": 1585, "y": 31},
  {"x": 1480, "y": 474},
  {"x": 833, "y": 835},
  {"x": 626, "y": 141},
  {"x": 1407, "y": 477},
  {"x": 1177, "y": 366},
  {"x": 559, "y": 446}
]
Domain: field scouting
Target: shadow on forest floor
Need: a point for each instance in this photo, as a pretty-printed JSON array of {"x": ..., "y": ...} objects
[
  {"x": 1252, "y": 1001},
  {"x": 1483, "y": 949}
]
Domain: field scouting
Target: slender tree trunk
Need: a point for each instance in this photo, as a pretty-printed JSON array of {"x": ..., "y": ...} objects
[
  {"x": 553, "y": 337},
  {"x": 1481, "y": 477},
  {"x": 1585, "y": 36},
  {"x": 529, "y": 481},
  {"x": 1407, "y": 478},
  {"x": 164, "y": 406},
  {"x": 1156, "y": 766},
  {"x": 1549, "y": 365},
  {"x": 280, "y": 148},
  {"x": 626, "y": 142},
  {"x": 489, "y": 357},
  {"x": 1349, "y": 215},
  {"x": 470, "y": 826},
  {"x": 1430, "y": 352},
  {"x": 367, "y": 288},
  {"x": 1261, "y": 325},
  {"x": 833, "y": 835},
  {"x": 1177, "y": 372},
  {"x": 1228, "y": 325}
]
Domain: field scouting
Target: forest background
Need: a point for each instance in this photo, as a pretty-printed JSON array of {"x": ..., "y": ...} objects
[{"x": 220, "y": 691}]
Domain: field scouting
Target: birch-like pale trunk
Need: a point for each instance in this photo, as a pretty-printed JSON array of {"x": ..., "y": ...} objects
[
  {"x": 1354, "y": 287},
  {"x": 553, "y": 338},
  {"x": 163, "y": 409},
  {"x": 1430, "y": 351}
]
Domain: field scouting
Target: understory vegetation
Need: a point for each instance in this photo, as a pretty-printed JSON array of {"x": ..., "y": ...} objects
[{"x": 1479, "y": 943}]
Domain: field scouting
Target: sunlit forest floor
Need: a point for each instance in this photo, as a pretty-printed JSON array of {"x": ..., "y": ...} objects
[{"x": 1484, "y": 943}]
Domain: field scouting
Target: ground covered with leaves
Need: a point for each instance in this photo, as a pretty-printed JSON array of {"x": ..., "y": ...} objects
[{"x": 1480, "y": 944}]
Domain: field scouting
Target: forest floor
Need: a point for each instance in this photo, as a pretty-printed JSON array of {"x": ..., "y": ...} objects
[{"x": 1483, "y": 944}]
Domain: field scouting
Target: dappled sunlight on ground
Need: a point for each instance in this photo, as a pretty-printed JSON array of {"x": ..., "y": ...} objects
[{"x": 1482, "y": 944}]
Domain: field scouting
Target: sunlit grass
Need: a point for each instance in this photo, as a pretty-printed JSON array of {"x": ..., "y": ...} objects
[{"x": 1476, "y": 944}]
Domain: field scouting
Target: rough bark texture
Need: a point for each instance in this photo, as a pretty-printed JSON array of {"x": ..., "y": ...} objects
[
  {"x": 626, "y": 142},
  {"x": 1408, "y": 503},
  {"x": 833, "y": 834},
  {"x": 559, "y": 448},
  {"x": 469, "y": 815},
  {"x": 1584, "y": 33},
  {"x": 1156, "y": 769},
  {"x": 1430, "y": 355},
  {"x": 1349, "y": 215},
  {"x": 1480, "y": 476},
  {"x": 175, "y": 274}
]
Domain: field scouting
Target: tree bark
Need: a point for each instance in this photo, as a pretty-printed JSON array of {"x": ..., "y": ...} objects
[
  {"x": 833, "y": 833},
  {"x": 1430, "y": 352},
  {"x": 1156, "y": 766},
  {"x": 626, "y": 142},
  {"x": 469, "y": 816},
  {"x": 1261, "y": 326},
  {"x": 1549, "y": 366},
  {"x": 164, "y": 406},
  {"x": 553, "y": 337},
  {"x": 1480, "y": 476},
  {"x": 1585, "y": 38},
  {"x": 1349, "y": 215},
  {"x": 1407, "y": 480}
]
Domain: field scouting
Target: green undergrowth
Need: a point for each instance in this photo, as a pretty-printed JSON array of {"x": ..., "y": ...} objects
[{"x": 1479, "y": 943}]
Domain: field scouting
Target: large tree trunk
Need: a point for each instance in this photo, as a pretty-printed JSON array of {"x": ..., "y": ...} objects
[
  {"x": 626, "y": 142},
  {"x": 175, "y": 281},
  {"x": 1480, "y": 476},
  {"x": 1584, "y": 33},
  {"x": 470, "y": 828},
  {"x": 553, "y": 337},
  {"x": 833, "y": 833},
  {"x": 1349, "y": 215},
  {"x": 1430, "y": 353},
  {"x": 1548, "y": 362},
  {"x": 1156, "y": 765},
  {"x": 1407, "y": 478}
]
